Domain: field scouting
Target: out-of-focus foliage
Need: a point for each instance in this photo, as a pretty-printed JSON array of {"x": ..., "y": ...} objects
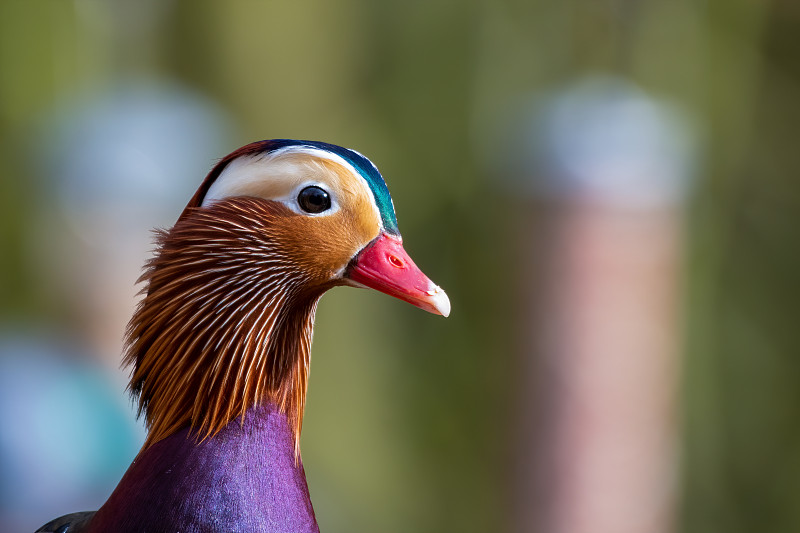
[{"x": 410, "y": 419}]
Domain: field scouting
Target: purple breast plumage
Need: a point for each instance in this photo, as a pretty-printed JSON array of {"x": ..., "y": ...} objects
[{"x": 243, "y": 479}]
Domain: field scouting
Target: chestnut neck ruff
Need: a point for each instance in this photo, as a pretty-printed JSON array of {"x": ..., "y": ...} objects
[{"x": 225, "y": 323}]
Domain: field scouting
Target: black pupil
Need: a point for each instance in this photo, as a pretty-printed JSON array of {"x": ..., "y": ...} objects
[{"x": 314, "y": 200}]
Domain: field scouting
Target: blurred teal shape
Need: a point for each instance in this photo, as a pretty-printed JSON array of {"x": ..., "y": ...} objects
[{"x": 68, "y": 432}]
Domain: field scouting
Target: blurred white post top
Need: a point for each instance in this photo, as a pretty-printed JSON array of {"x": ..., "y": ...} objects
[{"x": 607, "y": 140}]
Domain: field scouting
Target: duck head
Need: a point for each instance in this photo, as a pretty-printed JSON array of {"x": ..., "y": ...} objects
[
  {"x": 339, "y": 211},
  {"x": 231, "y": 292}
]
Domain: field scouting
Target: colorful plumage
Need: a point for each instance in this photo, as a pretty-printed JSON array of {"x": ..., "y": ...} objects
[{"x": 220, "y": 344}]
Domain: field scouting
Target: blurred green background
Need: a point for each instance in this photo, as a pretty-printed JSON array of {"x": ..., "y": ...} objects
[{"x": 410, "y": 419}]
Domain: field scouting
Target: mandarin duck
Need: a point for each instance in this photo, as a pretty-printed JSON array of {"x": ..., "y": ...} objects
[{"x": 219, "y": 346}]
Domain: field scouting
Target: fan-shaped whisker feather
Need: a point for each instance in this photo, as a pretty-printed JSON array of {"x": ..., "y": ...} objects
[
  {"x": 216, "y": 331},
  {"x": 252, "y": 346}
]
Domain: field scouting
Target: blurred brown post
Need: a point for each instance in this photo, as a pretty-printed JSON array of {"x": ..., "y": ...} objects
[{"x": 601, "y": 454}]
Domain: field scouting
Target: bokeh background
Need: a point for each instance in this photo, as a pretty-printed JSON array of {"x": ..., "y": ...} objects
[{"x": 492, "y": 122}]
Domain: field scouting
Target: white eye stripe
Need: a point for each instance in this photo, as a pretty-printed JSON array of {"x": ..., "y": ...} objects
[
  {"x": 276, "y": 177},
  {"x": 269, "y": 178}
]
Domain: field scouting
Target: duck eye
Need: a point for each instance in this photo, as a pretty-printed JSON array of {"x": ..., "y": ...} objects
[{"x": 314, "y": 200}]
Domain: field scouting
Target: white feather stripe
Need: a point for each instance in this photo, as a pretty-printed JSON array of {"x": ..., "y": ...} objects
[{"x": 281, "y": 174}]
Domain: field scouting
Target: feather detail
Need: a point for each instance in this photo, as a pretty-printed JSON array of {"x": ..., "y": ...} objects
[{"x": 226, "y": 320}]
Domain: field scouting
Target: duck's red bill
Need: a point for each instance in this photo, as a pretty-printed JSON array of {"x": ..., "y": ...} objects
[{"x": 385, "y": 266}]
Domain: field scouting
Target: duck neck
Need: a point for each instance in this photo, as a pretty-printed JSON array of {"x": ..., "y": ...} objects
[
  {"x": 244, "y": 478},
  {"x": 225, "y": 325}
]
